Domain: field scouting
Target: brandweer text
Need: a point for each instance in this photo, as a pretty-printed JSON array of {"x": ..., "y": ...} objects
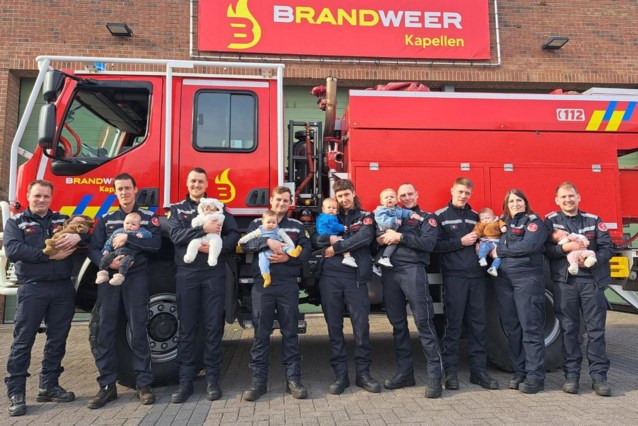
[{"x": 366, "y": 17}]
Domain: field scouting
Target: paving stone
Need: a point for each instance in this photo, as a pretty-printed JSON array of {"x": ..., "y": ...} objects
[{"x": 468, "y": 405}]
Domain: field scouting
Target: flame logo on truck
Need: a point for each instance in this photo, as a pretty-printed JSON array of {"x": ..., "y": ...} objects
[
  {"x": 610, "y": 115},
  {"x": 224, "y": 187},
  {"x": 247, "y": 29}
]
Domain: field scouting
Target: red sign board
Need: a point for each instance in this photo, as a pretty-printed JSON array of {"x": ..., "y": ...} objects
[{"x": 433, "y": 29}]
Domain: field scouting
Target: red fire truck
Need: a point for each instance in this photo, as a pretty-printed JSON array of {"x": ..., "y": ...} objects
[{"x": 159, "y": 123}]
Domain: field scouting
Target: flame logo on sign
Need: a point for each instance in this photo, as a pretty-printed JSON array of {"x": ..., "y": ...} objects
[
  {"x": 245, "y": 26},
  {"x": 225, "y": 188}
]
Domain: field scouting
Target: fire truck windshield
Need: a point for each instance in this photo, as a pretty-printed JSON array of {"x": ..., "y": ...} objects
[{"x": 104, "y": 121}]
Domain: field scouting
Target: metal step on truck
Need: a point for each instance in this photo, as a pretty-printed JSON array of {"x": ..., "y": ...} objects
[{"x": 158, "y": 119}]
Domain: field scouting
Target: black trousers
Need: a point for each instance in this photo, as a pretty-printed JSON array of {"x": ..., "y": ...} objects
[
  {"x": 53, "y": 302},
  {"x": 201, "y": 293},
  {"x": 279, "y": 301},
  {"x": 410, "y": 283},
  {"x": 521, "y": 300},
  {"x": 130, "y": 299},
  {"x": 465, "y": 302},
  {"x": 571, "y": 299},
  {"x": 337, "y": 296}
]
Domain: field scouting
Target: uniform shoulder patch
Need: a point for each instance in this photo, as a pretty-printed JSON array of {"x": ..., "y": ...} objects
[
  {"x": 367, "y": 221},
  {"x": 155, "y": 221},
  {"x": 432, "y": 222},
  {"x": 532, "y": 227},
  {"x": 30, "y": 229},
  {"x": 602, "y": 227}
]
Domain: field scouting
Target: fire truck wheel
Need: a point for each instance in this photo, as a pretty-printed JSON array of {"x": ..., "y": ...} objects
[
  {"x": 497, "y": 347},
  {"x": 163, "y": 326},
  {"x": 94, "y": 328}
]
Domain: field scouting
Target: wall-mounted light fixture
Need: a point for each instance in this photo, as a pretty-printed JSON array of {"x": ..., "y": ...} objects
[
  {"x": 555, "y": 42},
  {"x": 119, "y": 29}
]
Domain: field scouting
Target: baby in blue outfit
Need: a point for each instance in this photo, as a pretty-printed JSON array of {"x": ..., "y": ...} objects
[
  {"x": 328, "y": 224},
  {"x": 389, "y": 216}
]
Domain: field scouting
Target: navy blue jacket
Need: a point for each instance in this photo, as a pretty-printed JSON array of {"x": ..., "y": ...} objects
[
  {"x": 595, "y": 230},
  {"x": 417, "y": 241},
  {"x": 457, "y": 259},
  {"x": 111, "y": 221},
  {"x": 522, "y": 245},
  {"x": 181, "y": 232},
  {"x": 356, "y": 241},
  {"x": 280, "y": 272},
  {"x": 24, "y": 237}
]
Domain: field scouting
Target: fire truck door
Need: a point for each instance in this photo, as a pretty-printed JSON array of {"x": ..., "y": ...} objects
[{"x": 224, "y": 129}]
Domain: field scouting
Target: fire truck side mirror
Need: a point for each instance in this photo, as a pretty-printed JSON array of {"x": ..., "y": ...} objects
[
  {"x": 46, "y": 126},
  {"x": 53, "y": 82}
]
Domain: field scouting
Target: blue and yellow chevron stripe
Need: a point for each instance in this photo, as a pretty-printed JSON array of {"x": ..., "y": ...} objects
[
  {"x": 84, "y": 208},
  {"x": 611, "y": 116}
]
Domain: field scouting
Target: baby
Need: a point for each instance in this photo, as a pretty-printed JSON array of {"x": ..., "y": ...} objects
[
  {"x": 560, "y": 237},
  {"x": 77, "y": 224},
  {"x": 270, "y": 229},
  {"x": 389, "y": 216},
  {"x": 131, "y": 227},
  {"x": 489, "y": 230},
  {"x": 328, "y": 224},
  {"x": 207, "y": 210}
]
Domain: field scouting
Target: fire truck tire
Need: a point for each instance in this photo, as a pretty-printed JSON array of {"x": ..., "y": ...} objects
[
  {"x": 94, "y": 329},
  {"x": 497, "y": 347},
  {"x": 163, "y": 326}
]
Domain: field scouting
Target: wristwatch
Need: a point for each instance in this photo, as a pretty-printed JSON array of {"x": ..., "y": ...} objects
[{"x": 400, "y": 238}]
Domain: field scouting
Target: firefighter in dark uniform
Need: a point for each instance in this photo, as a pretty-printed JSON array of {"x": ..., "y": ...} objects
[
  {"x": 130, "y": 300},
  {"x": 46, "y": 294},
  {"x": 278, "y": 301},
  {"x": 464, "y": 288},
  {"x": 345, "y": 288},
  {"x": 581, "y": 294},
  {"x": 521, "y": 292},
  {"x": 201, "y": 289},
  {"x": 408, "y": 280}
]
